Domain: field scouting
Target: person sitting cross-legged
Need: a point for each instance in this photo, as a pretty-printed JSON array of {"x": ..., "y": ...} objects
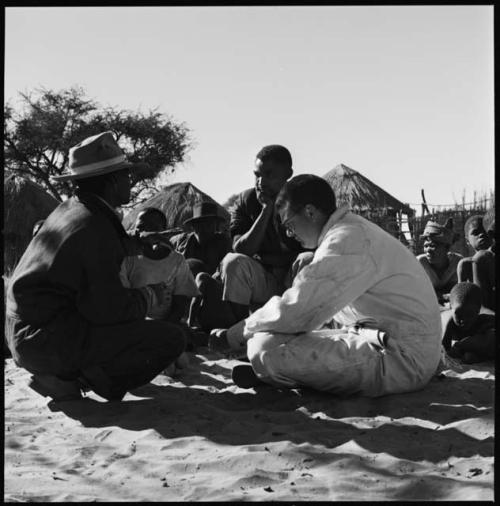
[
  {"x": 439, "y": 262},
  {"x": 468, "y": 327},
  {"x": 363, "y": 278},
  {"x": 69, "y": 319}
]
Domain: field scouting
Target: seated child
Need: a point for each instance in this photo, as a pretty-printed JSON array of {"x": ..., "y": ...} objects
[
  {"x": 480, "y": 268},
  {"x": 483, "y": 264},
  {"x": 438, "y": 261},
  {"x": 468, "y": 328},
  {"x": 160, "y": 264}
]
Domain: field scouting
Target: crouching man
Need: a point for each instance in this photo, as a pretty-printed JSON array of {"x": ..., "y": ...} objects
[
  {"x": 69, "y": 320},
  {"x": 363, "y": 278}
]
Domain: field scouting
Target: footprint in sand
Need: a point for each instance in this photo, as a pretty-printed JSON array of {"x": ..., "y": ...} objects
[
  {"x": 101, "y": 436},
  {"x": 118, "y": 456}
]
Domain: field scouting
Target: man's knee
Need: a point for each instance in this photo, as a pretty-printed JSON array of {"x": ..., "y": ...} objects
[
  {"x": 260, "y": 343},
  {"x": 204, "y": 281},
  {"x": 196, "y": 266},
  {"x": 234, "y": 263},
  {"x": 267, "y": 360}
]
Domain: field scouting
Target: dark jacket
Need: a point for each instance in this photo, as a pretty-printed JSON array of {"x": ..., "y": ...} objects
[{"x": 68, "y": 277}]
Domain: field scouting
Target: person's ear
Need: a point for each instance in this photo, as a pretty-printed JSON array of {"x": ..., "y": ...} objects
[{"x": 310, "y": 211}]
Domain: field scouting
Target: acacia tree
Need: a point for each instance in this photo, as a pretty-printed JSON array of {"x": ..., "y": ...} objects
[{"x": 37, "y": 138}]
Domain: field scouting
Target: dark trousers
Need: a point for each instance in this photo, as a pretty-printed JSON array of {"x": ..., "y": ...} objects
[{"x": 128, "y": 354}]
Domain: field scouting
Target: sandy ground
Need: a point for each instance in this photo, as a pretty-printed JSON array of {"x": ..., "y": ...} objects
[{"x": 198, "y": 437}]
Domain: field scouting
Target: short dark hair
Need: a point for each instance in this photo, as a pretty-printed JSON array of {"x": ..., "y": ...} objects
[
  {"x": 158, "y": 213},
  {"x": 276, "y": 153},
  {"x": 307, "y": 189},
  {"x": 466, "y": 293},
  {"x": 471, "y": 221}
]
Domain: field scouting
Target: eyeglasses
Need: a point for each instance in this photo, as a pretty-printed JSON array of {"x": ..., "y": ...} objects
[{"x": 286, "y": 225}]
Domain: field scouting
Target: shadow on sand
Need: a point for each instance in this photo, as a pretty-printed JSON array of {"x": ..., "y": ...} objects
[{"x": 301, "y": 415}]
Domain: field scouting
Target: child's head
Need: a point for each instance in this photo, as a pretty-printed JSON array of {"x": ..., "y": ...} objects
[
  {"x": 437, "y": 241},
  {"x": 465, "y": 303},
  {"x": 150, "y": 219},
  {"x": 475, "y": 234}
]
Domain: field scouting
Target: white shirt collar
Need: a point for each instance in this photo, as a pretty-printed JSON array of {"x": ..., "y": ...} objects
[{"x": 334, "y": 218}]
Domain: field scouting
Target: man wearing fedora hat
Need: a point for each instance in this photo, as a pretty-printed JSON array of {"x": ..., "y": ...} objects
[
  {"x": 205, "y": 246},
  {"x": 70, "y": 321},
  {"x": 438, "y": 261}
]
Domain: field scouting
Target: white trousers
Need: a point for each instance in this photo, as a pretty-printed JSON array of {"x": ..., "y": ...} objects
[{"x": 344, "y": 361}]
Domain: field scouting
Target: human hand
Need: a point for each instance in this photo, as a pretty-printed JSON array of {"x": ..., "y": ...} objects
[{"x": 264, "y": 199}]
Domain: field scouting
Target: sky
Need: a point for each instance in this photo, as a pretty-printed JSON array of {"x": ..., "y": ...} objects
[{"x": 402, "y": 94}]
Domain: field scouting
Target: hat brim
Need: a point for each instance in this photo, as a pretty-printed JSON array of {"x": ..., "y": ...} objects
[
  {"x": 95, "y": 173},
  {"x": 199, "y": 218}
]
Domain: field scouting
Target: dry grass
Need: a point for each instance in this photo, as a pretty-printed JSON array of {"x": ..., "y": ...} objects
[{"x": 361, "y": 194}]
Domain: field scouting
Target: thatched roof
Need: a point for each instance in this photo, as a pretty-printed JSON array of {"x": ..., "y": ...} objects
[
  {"x": 176, "y": 201},
  {"x": 25, "y": 203},
  {"x": 360, "y": 193}
]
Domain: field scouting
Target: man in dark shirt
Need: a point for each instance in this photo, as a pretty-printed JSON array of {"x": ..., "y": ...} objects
[
  {"x": 205, "y": 246},
  {"x": 261, "y": 265},
  {"x": 69, "y": 320}
]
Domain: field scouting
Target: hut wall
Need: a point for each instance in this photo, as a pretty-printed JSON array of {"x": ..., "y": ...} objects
[{"x": 25, "y": 203}]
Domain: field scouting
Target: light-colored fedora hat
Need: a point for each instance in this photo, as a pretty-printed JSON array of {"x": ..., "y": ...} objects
[{"x": 95, "y": 156}]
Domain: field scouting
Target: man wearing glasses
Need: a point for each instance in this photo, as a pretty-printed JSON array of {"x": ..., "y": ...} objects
[{"x": 362, "y": 277}]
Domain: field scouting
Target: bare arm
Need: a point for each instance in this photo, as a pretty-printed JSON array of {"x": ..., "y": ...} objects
[
  {"x": 483, "y": 271},
  {"x": 250, "y": 242}
]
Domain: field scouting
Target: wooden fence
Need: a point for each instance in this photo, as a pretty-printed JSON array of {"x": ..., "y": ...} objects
[{"x": 408, "y": 229}]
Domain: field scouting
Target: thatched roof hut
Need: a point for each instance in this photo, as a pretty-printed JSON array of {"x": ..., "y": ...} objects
[
  {"x": 25, "y": 203},
  {"x": 177, "y": 202},
  {"x": 361, "y": 194}
]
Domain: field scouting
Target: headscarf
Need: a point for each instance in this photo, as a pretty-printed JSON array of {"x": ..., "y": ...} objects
[{"x": 440, "y": 233}]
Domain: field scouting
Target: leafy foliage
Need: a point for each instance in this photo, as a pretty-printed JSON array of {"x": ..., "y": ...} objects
[{"x": 38, "y": 137}]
